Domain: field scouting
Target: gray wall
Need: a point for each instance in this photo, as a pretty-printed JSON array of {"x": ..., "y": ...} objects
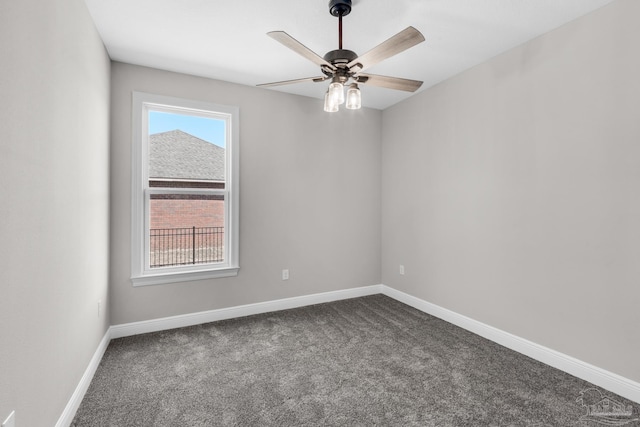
[
  {"x": 511, "y": 192},
  {"x": 508, "y": 192},
  {"x": 54, "y": 139},
  {"x": 309, "y": 198}
]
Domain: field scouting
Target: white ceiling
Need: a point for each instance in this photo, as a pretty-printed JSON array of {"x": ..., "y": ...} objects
[{"x": 226, "y": 39}]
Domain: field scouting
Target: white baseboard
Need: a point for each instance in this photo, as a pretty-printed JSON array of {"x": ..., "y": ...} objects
[
  {"x": 598, "y": 376},
  {"x": 136, "y": 328},
  {"x": 78, "y": 394}
]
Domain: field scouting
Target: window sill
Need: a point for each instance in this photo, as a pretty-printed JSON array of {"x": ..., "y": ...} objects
[{"x": 174, "y": 277}]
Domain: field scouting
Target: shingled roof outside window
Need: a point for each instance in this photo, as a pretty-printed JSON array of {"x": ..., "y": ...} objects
[{"x": 179, "y": 155}]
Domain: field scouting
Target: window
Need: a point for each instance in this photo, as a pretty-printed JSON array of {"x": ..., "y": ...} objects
[{"x": 184, "y": 190}]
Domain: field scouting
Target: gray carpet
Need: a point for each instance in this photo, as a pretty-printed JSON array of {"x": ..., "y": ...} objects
[{"x": 359, "y": 362}]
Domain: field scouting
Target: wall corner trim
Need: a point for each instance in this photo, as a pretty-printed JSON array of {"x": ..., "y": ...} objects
[
  {"x": 76, "y": 398},
  {"x": 598, "y": 376}
]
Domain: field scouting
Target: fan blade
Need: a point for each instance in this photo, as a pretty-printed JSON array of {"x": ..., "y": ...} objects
[
  {"x": 402, "y": 41},
  {"x": 288, "y": 82},
  {"x": 299, "y": 48},
  {"x": 389, "y": 82}
]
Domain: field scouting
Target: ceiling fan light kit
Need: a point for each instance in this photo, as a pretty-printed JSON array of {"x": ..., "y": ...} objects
[
  {"x": 336, "y": 92},
  {"x": 354, "y": 99},
  {"x": 343, "y": 65},
  {"x": 329, "y": 105}
]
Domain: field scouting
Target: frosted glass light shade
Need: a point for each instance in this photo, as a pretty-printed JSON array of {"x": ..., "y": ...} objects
[
  {"x": 354, "y": 99},
  {"x": 329, "y": 107}
]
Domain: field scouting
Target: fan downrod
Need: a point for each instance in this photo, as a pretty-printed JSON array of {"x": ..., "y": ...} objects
[{"x": 339, "y": 7}]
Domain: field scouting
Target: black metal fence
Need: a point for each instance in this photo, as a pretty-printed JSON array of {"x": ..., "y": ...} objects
[{"x": 182, "y": 246}]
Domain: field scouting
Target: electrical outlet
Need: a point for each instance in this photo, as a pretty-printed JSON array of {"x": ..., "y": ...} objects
[
  {"x": 285, "y": 274},
  {"x": 99, "y": 307},
  {"x": 402, "y": 269},
  {"x": 11, "y": 420}
]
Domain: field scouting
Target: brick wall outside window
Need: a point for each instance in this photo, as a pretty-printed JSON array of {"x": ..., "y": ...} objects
[{"x": 171, "y": 211}]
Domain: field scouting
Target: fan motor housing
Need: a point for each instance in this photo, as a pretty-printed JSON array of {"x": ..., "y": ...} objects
[
  {"x": 339, "y": 7},
  {"x": 340, "y": 56}
]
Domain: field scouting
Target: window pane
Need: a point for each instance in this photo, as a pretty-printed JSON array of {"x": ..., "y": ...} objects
[
  {"x": 186, "y": 229},
  {"x": 186, "y": 151}
]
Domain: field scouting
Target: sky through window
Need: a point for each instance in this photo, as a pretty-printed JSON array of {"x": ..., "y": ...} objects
[{"x": 210, "y": 130}]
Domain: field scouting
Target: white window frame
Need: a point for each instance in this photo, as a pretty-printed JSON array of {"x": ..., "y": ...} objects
[{"x": 141, "y": 273}]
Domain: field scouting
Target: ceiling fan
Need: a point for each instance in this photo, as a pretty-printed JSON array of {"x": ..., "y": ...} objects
[{"x": 342, "y": 65}]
